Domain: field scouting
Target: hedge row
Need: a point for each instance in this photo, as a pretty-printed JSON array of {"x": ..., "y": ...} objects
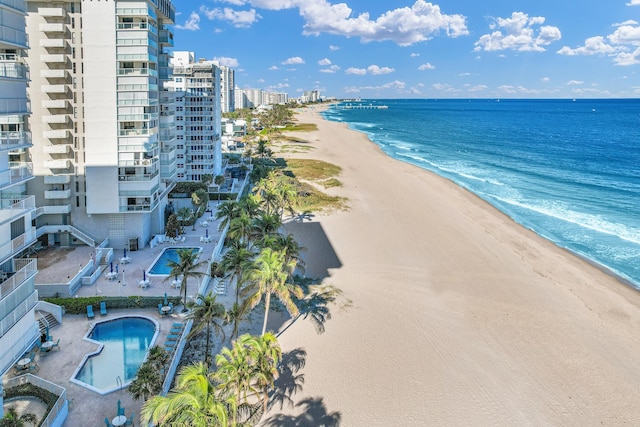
[
  {"x": 30, "y": 390},
  {"x": 79, "y": 305}
]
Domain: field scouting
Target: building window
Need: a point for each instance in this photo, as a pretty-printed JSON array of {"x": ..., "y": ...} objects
[{"x": 17, "y": 228}]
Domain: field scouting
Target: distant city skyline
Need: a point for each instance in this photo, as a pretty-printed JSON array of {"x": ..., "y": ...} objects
[{"x": 417, "y": 49}]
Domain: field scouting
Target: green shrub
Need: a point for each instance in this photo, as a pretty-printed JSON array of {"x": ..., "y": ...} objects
[{"x": 79, "y": 305}]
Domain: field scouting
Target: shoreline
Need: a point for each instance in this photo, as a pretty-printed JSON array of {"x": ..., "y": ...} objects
[
  {"x": 457, "y": 314},
  {"x": 635, "y": 285}
]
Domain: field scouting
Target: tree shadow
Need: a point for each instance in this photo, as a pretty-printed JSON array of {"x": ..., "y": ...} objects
[
  {"x": 314, "y": 414},
  {"x": 289, "y": 382}
]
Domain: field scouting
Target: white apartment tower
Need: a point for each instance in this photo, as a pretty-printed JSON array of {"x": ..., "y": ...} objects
[
  {"x": 196, "y": 87},
  {"x": 18, "y": 297},
  {"x": 97, "y": 69},
  {"x": 227, "y": 88}
]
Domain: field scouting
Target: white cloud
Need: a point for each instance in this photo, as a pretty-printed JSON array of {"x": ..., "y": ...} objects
[
  {"x": 414, "y": 55},
  {"x": 293, "y": 60},
  {"x": 592, "y": 46},
  {"x": 464, "y": 74},
  {"x": 356, "y": 71},
  {"x": 404, "y": 26},
  {"x": 575, "y": 82},
  {"x": 625, "y": 58},
  {"x": 545, "y": 79},
  {"x": 227, "y": 62},
  {"x": 237, "y": 18},
  {"x": 426, "y": 66},
  {"x": 273, "y": 68},
  {"x": 478, "y": 88},
  {"x": 325, "y": 61},
  {"x": 191, "y": 24},
  {"x": 333, "y": 47},
  {"x": 634, "y": 3},
  {"x": 622, "y": 44},
  {"x": 625, "y": 34},
  {"x": 331, "y": 70},
  {"x": 444, "y": 87},
  {"x": 519, "y": 32},
  {"x": 376, "y": 70},
  {"x": 627, "y": 22}
]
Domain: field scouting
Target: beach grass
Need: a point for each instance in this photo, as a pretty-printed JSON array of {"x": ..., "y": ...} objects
[
  {"x": 300, "y": 127},
  {"x": 312, "y": 170},
  {"x": 331, "y": 182}
]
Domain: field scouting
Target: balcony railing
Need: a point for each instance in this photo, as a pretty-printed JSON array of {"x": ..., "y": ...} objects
[
  {"x": 57, "y": 194},
  {"x": 13, "y": 70},
  {"x": 139, "y": 177},
  {"x": 10, "y": 106},
  {"x": 13, "y": 140},
  {"x": 13, "y": 37},
  {"x": 137, "y": 71}
]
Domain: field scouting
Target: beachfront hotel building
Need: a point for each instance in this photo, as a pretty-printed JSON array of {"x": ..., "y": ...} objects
[
  {"x": 196, "y": 92},
  {"x": 18, "y": 297},
  {"x": 253, "y": 98},
  {"x": 102, "y": 154}
]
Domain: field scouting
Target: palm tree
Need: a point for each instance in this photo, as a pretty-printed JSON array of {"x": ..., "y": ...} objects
[
  {"x": 266, "y": 355},
  {"x": 269, "y": 276},
  {"x": 264, "y": 225},
  {"x": 194, "y": 402},
  {"x": 234, "y": 261},
  {"x": 187, "y": 266},
  {"x": 235, "y": 375},
  {"x": 234, "y": 315},
  {"x": 148, "y": 382},
  {"x": 227, "y": 211},
  {"x": 184, "y": 215},
  {"x": 292, "y": 250},
  {"x": 207, "y": 313},
  {"x": 11, "y": 419},
  {"x": 240, "y": 229}
]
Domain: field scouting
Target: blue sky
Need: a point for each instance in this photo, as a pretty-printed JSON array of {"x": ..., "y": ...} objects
[{"x": 418, "y": 49}]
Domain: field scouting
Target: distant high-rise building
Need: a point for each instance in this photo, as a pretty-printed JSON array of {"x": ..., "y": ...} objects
[
  {"x": 18, "y": 297},
  {"x": 97, "y": 69},
  {"x": 227, "y": 88},
  {"x": 196, "y": 87}
]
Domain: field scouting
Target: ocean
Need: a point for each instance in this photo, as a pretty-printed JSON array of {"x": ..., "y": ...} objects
[{"x": 567, "y": 169}]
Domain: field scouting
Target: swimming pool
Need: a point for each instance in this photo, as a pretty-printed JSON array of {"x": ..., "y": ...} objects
[
  {"x": 123, "y": 348},
  {"x": 160, "y": 267}
]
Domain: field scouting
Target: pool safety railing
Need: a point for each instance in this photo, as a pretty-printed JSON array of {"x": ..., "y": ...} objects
[{"x": 60, "y": 409}]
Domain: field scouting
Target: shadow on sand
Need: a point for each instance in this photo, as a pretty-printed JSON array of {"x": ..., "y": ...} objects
[{"x": 313, "y": 411}]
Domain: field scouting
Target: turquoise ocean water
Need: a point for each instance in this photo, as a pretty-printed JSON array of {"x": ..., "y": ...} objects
[{"x": 567, "y": 169}]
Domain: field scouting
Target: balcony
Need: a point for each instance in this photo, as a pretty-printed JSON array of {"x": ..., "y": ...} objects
[
  {"x": 13, "y": 208},
  {"x": 57, "y": 164},
  {"x": 13, "y": 70},
  {"x": 63, "y": 89},
  {"x": 54, "y": 210},
  {"x": 57, "y": 149},
  {"x": 53, "y": 58},
  {"x": 17, "y": 172},
  {"x": 51, "y": 12},
  {"x": 54, "y": 74},
  {"x": 57, "y": 179},
  {"x": 165, "y": 38},
  {"x": 53, "y": 43},
  {"x": 57, "y": 119},
  {"x": 137, "y": 72},
  {"x": 57, "y": 194},
  {"x": 52, "y": 28},
  {"x": 14, "y": 140},
  {"x": 56, "y": 134},
  {"x": 55, "y": 103}
]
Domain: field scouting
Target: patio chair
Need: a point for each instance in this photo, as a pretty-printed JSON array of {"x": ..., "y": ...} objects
[
  {"x": 160, "y": 308},
  {"x": 107, "y": 422},
  {"x": 120, "y": 409},
  {"x": 34, "y": 367},
  {"x": 171, "y": 306},
  {"x": 103, "y": 308},
  {"x": 56, "y": 344},
  {"x": 129, "y": 420},
  {"x": 90, "y": 314}
]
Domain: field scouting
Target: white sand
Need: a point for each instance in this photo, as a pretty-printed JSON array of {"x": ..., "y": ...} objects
[{"x": 458, "y": 317}]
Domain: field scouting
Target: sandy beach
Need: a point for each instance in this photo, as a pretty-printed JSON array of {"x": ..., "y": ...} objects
[{"x": 451, "y": 313}]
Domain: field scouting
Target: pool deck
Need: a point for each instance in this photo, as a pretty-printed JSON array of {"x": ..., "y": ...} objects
[{"x": 88, "y": 408}]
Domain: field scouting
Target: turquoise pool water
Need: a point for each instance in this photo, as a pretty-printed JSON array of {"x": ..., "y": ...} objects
[
  {"x": 160, "y": 265},
  {"x": 125, "y": 343}
]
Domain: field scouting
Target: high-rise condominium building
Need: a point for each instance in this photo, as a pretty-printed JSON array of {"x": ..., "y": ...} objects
[
  {"x": 100, "y": 142},
  {"x": 227, "y": 88},
  {"x": 18, "y": 298},
  {"x": 196, "y": 89}
]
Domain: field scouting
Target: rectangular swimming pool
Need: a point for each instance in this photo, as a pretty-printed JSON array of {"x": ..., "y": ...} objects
[{"x": 160, "y": 266}]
